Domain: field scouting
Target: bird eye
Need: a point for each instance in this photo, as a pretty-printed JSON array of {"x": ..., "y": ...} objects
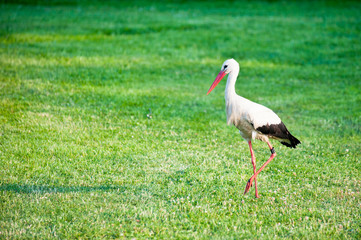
[{"x": 225, "y": 66}]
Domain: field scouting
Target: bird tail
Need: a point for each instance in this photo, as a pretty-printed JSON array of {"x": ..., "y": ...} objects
[{"x": 291, "y": 141}]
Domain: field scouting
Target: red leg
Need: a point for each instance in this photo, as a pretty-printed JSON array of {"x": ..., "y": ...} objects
[
  {"x": 249, "y": 183},
  {"x": 254, "y": 166}
]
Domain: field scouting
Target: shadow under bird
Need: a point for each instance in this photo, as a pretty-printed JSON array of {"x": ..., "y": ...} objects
[{"x": 253, "y": 120}]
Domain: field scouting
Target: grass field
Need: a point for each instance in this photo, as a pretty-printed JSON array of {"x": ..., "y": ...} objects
[{"x": 79, "y": 158}]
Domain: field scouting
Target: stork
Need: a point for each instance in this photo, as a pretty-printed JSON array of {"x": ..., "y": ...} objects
[{"x": 253, "y": 120}]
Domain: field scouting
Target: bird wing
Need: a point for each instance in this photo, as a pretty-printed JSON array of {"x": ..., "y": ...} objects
[
  {"x": 259, "y": 115},
  {"x": 266, "y": 122},
  {"x": 278, "y": 131}
]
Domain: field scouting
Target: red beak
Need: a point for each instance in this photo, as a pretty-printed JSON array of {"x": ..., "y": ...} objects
[{"x": 219, "y": 77}]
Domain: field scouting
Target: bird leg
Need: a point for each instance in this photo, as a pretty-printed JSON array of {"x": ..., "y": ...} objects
[
  {"x": 273, "y": 154},
  {"x": 254, "y": 166}
]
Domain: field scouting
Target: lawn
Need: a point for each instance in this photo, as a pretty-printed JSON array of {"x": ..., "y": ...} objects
[{"x": 106, "y": 130}]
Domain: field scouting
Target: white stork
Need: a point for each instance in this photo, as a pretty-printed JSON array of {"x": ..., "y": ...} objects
[{"x": 253, "y": 120}]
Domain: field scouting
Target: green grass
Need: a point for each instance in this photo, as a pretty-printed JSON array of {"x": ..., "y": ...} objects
[{"x": 80, "y": 159}]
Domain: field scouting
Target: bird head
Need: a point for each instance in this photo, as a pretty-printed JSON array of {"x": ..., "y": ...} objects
[{"x": 227, "y": 67}]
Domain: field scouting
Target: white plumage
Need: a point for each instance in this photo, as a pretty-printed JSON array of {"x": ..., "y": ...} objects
[{"x": 253, "y": 120}]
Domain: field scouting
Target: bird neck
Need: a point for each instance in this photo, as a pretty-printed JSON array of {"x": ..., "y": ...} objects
[{"x": 230, "y": 86}]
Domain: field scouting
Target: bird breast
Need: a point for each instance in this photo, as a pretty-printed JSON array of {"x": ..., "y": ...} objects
[
  {"x": 237, "y": 112},
  {"x": 238, "y": 117}
]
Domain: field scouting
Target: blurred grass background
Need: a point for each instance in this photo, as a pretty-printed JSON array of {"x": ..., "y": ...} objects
[{"x": 80, "y": 158}]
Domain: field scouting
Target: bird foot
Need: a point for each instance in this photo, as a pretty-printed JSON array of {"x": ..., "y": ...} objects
[{"x": 249, "y": 185}]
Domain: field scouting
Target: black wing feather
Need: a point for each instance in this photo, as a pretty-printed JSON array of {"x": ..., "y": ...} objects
[{"x": 280, "y": 132}]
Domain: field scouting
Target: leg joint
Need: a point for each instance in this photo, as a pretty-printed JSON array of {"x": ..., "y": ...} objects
[{"x": 273, "y": 150}]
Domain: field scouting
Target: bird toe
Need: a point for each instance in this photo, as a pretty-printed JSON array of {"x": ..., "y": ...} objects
[{"x": 248, "y": 186}]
